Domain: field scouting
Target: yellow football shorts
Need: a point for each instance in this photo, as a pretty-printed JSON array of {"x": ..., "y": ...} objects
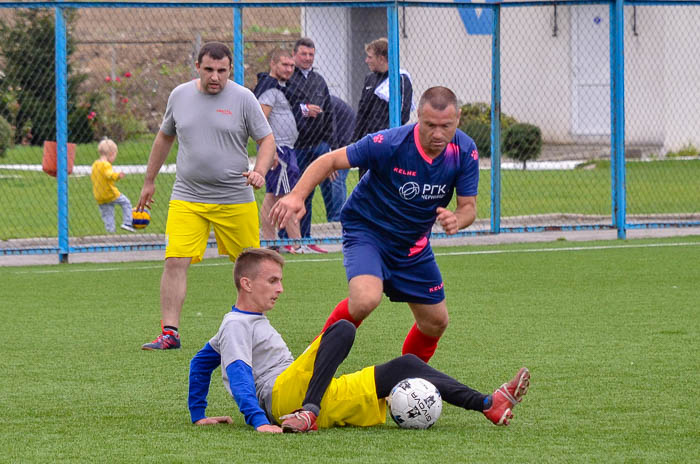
[
  {"x": 187, "y": 231},
  {"x": 350, "y": 399}
]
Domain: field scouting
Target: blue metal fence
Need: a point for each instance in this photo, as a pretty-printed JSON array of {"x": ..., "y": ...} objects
[{"x": 491, "y": 11}]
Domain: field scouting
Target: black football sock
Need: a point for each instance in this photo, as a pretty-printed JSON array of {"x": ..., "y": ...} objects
[
  {"x": 335, "y": 345},
  {"x": 389, "y": 374}
]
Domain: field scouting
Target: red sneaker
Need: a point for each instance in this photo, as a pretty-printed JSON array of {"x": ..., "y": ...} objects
[
  {"x": 299, "y": 421},
  {"x": 317, "y": 249},
  {"x": 507, "y": 396},
  {"x": 168, "y": 340}
]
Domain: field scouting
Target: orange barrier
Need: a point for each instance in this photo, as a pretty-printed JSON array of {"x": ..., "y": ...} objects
[{"x": 48, "y": 162}]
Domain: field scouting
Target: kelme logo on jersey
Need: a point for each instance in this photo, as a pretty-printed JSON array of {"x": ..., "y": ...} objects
[{"x": 410, "y": 190}]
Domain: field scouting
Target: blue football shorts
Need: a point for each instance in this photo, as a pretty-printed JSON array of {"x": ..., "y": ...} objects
[
  {"x": 280, "y": 180},
  {"x": 410, "y": 279}
]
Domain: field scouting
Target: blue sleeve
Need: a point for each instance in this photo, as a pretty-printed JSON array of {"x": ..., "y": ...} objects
[
  {"x": 467, "y": 184},
  {"x": 240, "y": 379},
  {"x": 369, "y": 149},
  {"x": 201, "y": 367}
]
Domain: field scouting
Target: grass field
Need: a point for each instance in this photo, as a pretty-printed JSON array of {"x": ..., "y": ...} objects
[{"x": 609, "y": 331}]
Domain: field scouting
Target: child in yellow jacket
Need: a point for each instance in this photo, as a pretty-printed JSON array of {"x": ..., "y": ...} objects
[{"x": 106, "y": 193}]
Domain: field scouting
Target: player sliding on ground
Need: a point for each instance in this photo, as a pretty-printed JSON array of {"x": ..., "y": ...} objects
[
  {"x": 276, "y": 393},
  {"x": 413, "y": 172}
]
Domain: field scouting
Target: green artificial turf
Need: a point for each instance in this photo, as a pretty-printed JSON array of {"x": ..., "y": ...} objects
[{"x": 609, "y": 331}]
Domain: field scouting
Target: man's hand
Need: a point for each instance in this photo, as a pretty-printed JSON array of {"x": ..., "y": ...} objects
[
  {"x": 314, "y": 110},
  {"x": 448, "y": 220},
  {"x": 214, "y": 420},
  {"x": 146, "y": 198},
  {"x": 269, "y": 428},
  {"x": 289, "y": 208},
  {"x": 255, "y": 179}
]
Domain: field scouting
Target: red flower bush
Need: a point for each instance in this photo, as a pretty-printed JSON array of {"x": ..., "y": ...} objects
[{"x": 115, "y": 115}]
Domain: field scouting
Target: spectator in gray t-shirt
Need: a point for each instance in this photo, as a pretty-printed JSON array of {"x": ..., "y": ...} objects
[
  {"x": 212, "y": 119},
  {"x": 283, "y": 176}
]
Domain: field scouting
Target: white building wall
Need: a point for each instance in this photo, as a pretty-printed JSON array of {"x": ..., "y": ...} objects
[
  {"x": 438, "y": 51},
  {"x": 536, "y": 69},
  {"x": 681, "y": 116},
  {"x": 662, "y": 71},
  {"x": 329, "y": 28},
  {"x": 644, "y": 76}
]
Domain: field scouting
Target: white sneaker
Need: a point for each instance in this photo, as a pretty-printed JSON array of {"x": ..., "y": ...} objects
[
  {"x": 304, "y": 250},
  {"x": 128, "y": 227}
]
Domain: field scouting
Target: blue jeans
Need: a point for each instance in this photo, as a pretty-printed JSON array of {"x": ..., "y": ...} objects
[
  {"x": 334, "y": 194},
  {"x": 305, "y": 156}
]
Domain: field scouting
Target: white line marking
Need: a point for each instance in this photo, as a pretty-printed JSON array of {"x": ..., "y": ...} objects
[
  {"x": 581, "y": 248},
  {"x": 325, "y": 260}
]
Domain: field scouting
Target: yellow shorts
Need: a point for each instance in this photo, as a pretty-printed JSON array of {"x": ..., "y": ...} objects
[
  {"x": 187, "y": 231},
  {"x": 350, "y": 399}
]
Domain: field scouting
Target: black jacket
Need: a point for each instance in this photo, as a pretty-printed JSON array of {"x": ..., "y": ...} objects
[
  {"x": 311, "y": 89},
  {"x": 265, "y": 83},
  {"x": 373, "y": 112},
  {"x": 343, "y": 123}
]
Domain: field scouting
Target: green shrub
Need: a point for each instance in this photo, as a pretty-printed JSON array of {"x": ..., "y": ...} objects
[
  {"x": 522, "y": 142},
  {"x": 481, "y": 133},
  {"x": 7, "y": 135},
  {"x": 688, "y": 150},
  {"x": 480, "y": 111}
]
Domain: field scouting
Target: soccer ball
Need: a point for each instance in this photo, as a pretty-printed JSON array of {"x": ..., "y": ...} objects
[
  {"x": 140, "y": 219},
  {"x": 415, "y": 404}
]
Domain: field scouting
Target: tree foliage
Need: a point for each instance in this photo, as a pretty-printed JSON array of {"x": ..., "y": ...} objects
[{"x": 27, "y": 86}]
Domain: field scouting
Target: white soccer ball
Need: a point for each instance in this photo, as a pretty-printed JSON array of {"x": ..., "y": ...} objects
[{"x": 415, "y": 404}]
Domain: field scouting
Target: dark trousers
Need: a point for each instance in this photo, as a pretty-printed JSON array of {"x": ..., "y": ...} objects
[
  {"x": 334, "y": 348},
  {"x": 306, "y": 156}
]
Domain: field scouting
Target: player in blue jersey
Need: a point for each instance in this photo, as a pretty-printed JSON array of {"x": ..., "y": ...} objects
[{"x": 414, "y": 170}]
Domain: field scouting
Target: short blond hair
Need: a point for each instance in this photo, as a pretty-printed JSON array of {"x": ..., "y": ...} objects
[
  {"x": 106, "y": 146},
  {"x": 379, "y": 47},
  {"x": 248, "y": 263}
]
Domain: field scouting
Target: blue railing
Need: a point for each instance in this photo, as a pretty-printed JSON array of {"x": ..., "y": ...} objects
[{"x": 617, "y": 99}]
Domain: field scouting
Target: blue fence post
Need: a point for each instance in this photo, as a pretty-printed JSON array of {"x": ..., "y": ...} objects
[
  {"x": 61, "y": 133},
  {"x": 617, "y": 117},
  {"x": 496, "y": 121},
  {"x": 392, "y": 14},
  {"x": 238, "y": 59}
]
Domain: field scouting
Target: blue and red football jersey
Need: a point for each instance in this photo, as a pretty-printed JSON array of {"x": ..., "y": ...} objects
[{"x": 398, "y": 198}]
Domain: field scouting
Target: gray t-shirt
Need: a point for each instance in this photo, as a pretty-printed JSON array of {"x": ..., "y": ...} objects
[
  {"x": 281, "y": 118},
  {"x": 212, "y": 133},
  {"x": 250, "y": 338}
]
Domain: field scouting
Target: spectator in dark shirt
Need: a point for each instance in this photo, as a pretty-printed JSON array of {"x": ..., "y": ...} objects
[
  {"x": 311, "y": 104},
  {"x": 373, "y": 109},
  {"x": 343, "y": 127}
]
